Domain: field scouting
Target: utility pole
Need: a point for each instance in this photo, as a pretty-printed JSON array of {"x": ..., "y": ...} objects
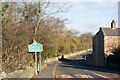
[
  {"x": 0, "y": 35},
  {"x": 36, "y": 29},
  {"x": 119, "y": 14},
  {"x": 38, "y": 26}
]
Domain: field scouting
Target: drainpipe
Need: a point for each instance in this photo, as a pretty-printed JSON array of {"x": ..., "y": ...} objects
[
  {"x": 105, "y": 60},
  {"x": 96, "y": 50},
  {"x": 105, "y": 50}
]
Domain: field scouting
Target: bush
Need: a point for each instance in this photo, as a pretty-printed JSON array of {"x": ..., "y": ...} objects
[
  {"x": 116, "y": 50},
  {"x": 114, "y": 58}
]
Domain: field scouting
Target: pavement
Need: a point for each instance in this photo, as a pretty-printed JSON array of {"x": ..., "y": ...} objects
[{"x": 49, "y": 72}]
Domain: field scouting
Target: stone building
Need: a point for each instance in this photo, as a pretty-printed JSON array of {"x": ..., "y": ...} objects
[{"x": 104, "y": 41}]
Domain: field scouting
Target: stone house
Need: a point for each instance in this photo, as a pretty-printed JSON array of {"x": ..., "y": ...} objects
[{"x": 104, "y": 41}]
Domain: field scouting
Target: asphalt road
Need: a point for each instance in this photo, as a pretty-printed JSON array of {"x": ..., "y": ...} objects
[{"x": 75, "y": 68}]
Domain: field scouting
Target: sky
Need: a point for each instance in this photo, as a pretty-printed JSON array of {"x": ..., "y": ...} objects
[{"x": 89, "y": 16}]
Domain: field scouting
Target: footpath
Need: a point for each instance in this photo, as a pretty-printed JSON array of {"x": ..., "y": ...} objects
[{"x": 49, "y": 72}]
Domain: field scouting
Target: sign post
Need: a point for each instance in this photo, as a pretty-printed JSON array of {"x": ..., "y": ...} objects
[
  {"x": 36, "y": 47},
  {"x": 39, "y": 62},
  {"x": 36, "y": 62}
]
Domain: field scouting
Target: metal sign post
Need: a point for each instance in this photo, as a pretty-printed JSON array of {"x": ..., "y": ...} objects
[{"x": 36, "y": 47}]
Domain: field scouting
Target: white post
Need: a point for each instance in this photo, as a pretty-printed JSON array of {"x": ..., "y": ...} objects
[{"x": 36, "y": 62}]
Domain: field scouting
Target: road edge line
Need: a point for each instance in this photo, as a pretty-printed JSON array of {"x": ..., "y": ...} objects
[
  {"x": 101, "y": 75},
  {"x": 54, "y": 70}
]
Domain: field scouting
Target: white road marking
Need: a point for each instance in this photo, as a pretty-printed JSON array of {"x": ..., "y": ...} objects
[
  {"x": 76, "y": 76},
  {"x": 79, "y": 75},
  {"x": 89, "y": 76},
  {"x": 54, "y": 70},
  {"x": 86, "y": 76},
  {"x": 83, "y": 76},
  {"x": 100, "y": 75},
  {"x": 66, "y": 76}
]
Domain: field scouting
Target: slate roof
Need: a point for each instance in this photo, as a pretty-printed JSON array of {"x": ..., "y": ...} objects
[{"x": 110, "y": 31}]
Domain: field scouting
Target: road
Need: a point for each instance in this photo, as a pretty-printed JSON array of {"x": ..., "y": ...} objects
[{"x": 75, "y": 68}]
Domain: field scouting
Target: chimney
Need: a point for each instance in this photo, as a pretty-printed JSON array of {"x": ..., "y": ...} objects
[{"x": 113, "y": 25}]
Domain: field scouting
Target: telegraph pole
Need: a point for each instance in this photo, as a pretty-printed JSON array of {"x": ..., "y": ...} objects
[
  {"x": 0, "y": 35},
  {"x": 119, "y": 15},
  {"x": 39, "y": 25},
  {"x": 36, "y": 29}
]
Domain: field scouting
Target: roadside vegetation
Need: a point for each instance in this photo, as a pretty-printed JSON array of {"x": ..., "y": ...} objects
[
  {"x": 115, "y": 57},
  {"x": 25, "y": 22}
]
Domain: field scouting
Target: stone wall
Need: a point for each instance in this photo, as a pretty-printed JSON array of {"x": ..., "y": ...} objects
[
  {"x": 89, "y": 60},
  {"x": 29, "y": 72},
  {"x": 111, "y": 43},
  {"x": 66, "y": 56}
]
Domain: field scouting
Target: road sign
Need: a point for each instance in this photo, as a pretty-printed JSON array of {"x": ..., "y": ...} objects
[{"x": 35, "y": 47}]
